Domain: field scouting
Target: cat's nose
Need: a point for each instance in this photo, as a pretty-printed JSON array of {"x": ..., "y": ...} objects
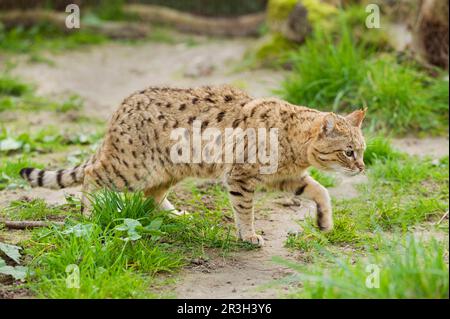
[{"x": 360, "y": 166}]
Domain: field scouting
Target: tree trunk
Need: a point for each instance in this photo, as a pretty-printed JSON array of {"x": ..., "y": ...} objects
[{"x": 430, "y": 32}]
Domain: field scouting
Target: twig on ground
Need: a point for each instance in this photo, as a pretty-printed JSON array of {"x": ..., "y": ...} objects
[
  {"x": 442, "y": 218},
  {"x": 26, "y": 224}
]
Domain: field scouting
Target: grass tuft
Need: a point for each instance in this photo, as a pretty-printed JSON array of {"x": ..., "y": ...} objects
[
  {"x": 12, "y": 87},
  {"x": 120, "y": 249},
  {"x": 409, "y": 269},
  {"x": 379, "y": 149},
  {"x": 9, "y": 172},
  {"x": 339, "y": 74},
  {"x": 325, "y": 74},
  {"x": 324, "y": 179},
  {"x": 44, "y": 37}
]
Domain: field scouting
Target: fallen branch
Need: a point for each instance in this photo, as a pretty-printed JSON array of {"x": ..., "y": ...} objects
[
  {"x": 113, "y": 30},
  {"x": 442, "y": 218},
  {"x": 27, "y": 224},
  {"x": 245, "y": 25}
]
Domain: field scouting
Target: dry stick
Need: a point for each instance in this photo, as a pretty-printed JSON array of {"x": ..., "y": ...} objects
[
  {"x": 442, "y": 218},
  {"x": 113, "y": 30},
  {"x": 26, "y": 224},
  {"x": 244, "y": 25}
]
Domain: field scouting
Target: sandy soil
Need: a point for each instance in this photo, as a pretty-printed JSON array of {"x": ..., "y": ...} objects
[
  {"x": 435, "y": 147},
  {"x": 105, "y": 75}
]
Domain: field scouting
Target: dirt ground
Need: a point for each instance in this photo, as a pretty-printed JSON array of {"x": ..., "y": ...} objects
[{"x": 105, "y": 75}]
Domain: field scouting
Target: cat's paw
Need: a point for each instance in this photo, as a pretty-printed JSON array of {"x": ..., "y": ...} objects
[
  {"x": 254, "y": 239},
  {"x": 179, "y": 212},
  {"x": 324, "y": 218},
  {"x": 326, "y": 225}
]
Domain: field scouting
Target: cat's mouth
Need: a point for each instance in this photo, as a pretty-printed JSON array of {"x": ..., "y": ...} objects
[{"x": 348, "y": 171}]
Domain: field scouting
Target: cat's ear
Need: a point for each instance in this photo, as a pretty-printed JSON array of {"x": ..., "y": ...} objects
[
  {"x": 329, "y": 121},
  {"x": 356, "y": 118}
]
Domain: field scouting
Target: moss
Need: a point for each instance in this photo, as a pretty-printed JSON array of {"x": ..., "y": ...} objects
[
  {"x": 318, "y": 12},
  {"x": 278, "y": 10},
  {"x": 355, "y": 16},
  {"x": 272, "y": 50}
]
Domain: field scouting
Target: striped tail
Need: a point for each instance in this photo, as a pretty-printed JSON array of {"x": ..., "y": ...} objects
[{"x": 54, "y": 179}]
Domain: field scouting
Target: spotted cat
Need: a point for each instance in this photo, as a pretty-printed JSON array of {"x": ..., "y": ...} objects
[{"x": 138, "y": 150}]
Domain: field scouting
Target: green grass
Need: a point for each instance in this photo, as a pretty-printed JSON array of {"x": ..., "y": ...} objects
[
  {"x": 408, "y": 269},
  {"x": 324, "y": 179},
  {"x": 111, "y": 207},
  {"x": 345, "y": 232},
  {"x": 403, "y": 195},
  {"x": 16, "y": 95},
  {"x": 117, "y": 255},
  {"x": 17, "y": 151},
  {"x": 128, "y": 241},
  {"x": 9, "y": 172},
  {"x": 110, "y": 10},
  {"x": 37, "y": 209},
  {"x": 110, "y": 266},
  {"x": 401, "y": 98},
  {"x": 411, "y": 174},
  {"x": 44, "y": 37},
  {"x": 26, "y": 100},
  {"x": 37, "y": 103},
  {"x": 325, "y": 73},
  {"x": 354, "y": 17},
  {"x": 340, "y": 74},
  {"x": 209, "y": 223},
  {"x": 120, "y": 249},
  {"x": 379, "y": 148},
  {"x": 44, "y": 141},
  {"x": 12, "y": 87},
  {"x": 413, "y": 191}
]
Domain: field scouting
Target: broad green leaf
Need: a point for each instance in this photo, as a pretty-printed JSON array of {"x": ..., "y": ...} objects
[
  {"x": 155, "y": 224},
  {"x": 17, "y": 272},
  {"x": 79, "y": 230},
  {"x": 11, "y": 251},
  {"x": 10, "y": 144},
  {"x": 129, "y": 225}
]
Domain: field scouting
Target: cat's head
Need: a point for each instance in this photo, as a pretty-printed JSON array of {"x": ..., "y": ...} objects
[{"x": 339, "y": 144}]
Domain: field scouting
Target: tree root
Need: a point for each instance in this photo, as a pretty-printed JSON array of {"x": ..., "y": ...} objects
[
  {"x": 245, "y": 25},
  {"x": 113, "y": 30},
  {"x": 27, "y": 224}
]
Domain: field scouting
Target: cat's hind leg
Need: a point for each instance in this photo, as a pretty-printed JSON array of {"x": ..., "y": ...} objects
[
  {"x": 241, "y": 191},
  {"x": 94, "y": 180},
  {"x": 159, "y": 194}
]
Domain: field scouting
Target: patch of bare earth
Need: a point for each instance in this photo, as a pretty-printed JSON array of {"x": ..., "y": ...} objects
[
  {"x": 105, "y": 75},
  {"x": 435, "y": 147},
  {"x": 250, "y": 274}
]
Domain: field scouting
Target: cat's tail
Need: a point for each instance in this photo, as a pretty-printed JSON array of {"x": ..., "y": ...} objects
[{"x": 54, "y": 179}]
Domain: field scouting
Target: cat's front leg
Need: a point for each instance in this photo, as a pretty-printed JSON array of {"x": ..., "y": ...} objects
[
  {"x": 308, "y": 187},
  {"x": 315, "y": 191},
  {"x": 241, "y": 192}
]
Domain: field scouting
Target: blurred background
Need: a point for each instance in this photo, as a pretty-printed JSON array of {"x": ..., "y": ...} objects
[{"x": 319, "y": 53}]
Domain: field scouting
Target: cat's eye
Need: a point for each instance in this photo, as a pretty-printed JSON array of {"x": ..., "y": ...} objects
[{"x": 349, "y": 153}]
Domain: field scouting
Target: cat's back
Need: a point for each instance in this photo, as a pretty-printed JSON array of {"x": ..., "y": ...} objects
[{"x": 174, "y": 100}]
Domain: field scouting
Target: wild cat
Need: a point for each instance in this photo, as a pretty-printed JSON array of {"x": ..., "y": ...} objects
[{"x": 153, "y": 128}]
